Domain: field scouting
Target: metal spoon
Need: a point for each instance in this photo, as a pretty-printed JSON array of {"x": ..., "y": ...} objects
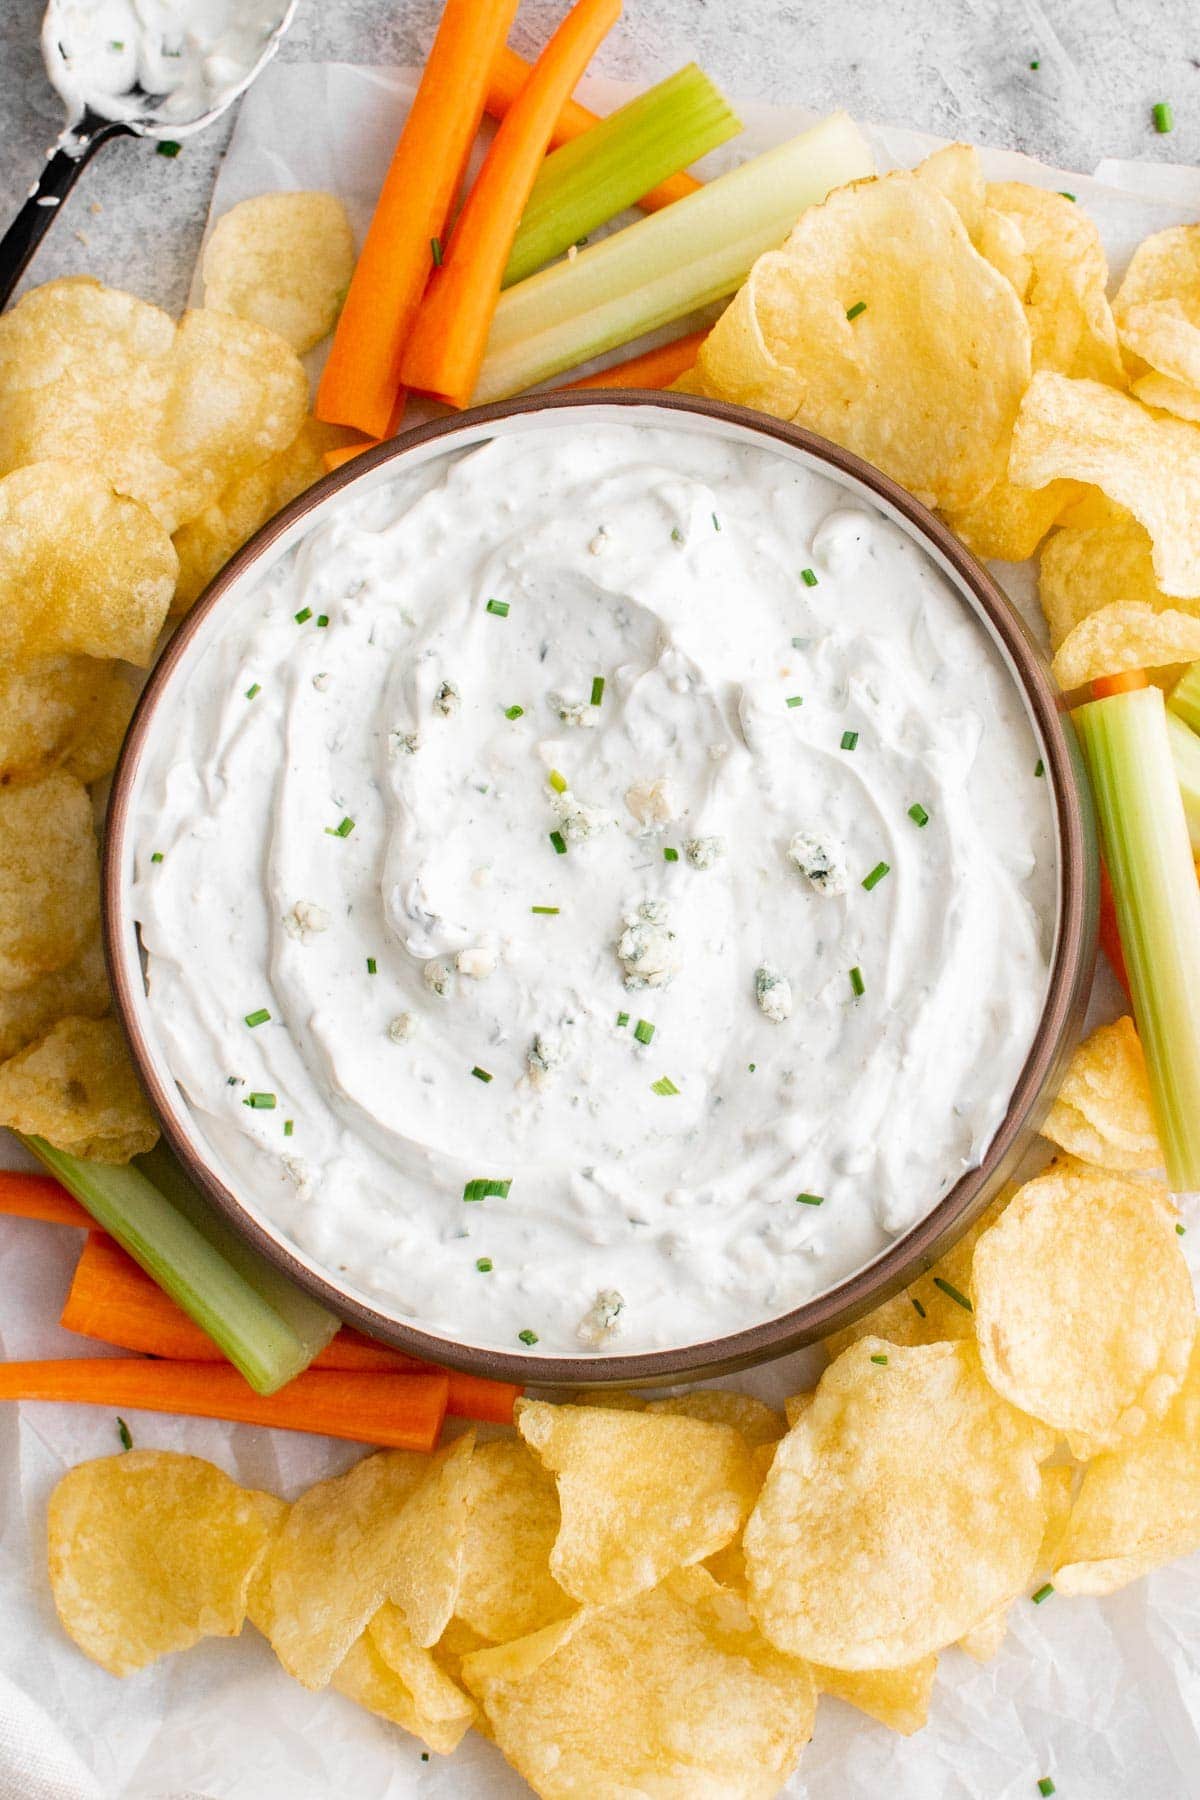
[{"x": 150, "y": 103}]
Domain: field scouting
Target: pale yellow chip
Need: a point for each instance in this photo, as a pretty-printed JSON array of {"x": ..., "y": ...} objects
[
  {"x": 1091, "y": 509},
  {"x": 430, "y": 1543},
  {"x": 283, "y": 260},
  {"x": 206, "y": 542},
  {"x": 1083, "y": 1303},
  {"x": 1157, "y": 306},
  {"x": 757, "y": 1422},
  {"x": 1084, "y": 431},
  {"x": 151, "y": 1552},
  {"x": 49, "y": 877},
  {"x": 1126, "y": 635},
  {"x": 82, "y": 568},
  {"x": 1065, "y": 278},
  {"x": 924, "y": 381},
  {"x": 871, "y": 1545},
  {"x": 1169, "y": 395},
  {"x": 983, "y": 1641},
  {"x": 1103, "y": 1113},
  {"x": 365, "y": 1676},
  {"x": 1009, "y": 523},
  {"x": 76, "y": 1087},
  {"x": 796, "y": 1405},
  {"x": 507, "y": 1590},
  {"x": 898, "y": 1698},
  {"x": 672, "y": 1694},
  {"x": 61, "y": 712},
  {"x": 641, "y": 1493},
  {"x": 79, "y": 989},
  {"x": 1085, "y": 569},
  {"x": 1139, "y": 1506},
  {"x": 957, "y": 173},
  {"x": 1058, "y": 1487},
  {"x": 330, "y": 1567}
]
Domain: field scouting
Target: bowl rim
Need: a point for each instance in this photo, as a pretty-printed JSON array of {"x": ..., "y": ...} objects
[{"x": 1067, "y": 988}]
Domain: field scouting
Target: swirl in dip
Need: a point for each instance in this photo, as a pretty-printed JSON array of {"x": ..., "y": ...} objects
[{"x": 639, "y": 851}]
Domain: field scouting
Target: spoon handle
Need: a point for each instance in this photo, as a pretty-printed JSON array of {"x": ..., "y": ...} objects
[{"x": 60, "y": 172}]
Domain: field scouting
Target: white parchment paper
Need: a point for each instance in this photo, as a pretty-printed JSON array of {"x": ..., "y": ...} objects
[{"x": 1103, "y": 1696}]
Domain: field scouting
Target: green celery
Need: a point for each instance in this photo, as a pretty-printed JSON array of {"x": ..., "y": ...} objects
[
  {"x": 687, "y": 256},
  {"x": 183, "y": 1262},
  {"x": 1145, "y": 841},
  {"x": 590, "y": 179},
  {"x": 1184, "y": 698},
  {"x": 1185, "y": 754}
]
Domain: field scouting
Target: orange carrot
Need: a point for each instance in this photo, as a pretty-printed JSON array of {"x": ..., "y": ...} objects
[
  {"x": 25, "y": 1196},
  {"x": 652, "y": 369},
  {"x": 447, "y": 342},
  {"x": 361, "y": 382},
  {"x": 474, "y": 1397},
  {"x": 1125, "y": 683},
  {"x": 333, "y": 459},
  {"x": 509, "y": 74},
  {"x": 402, "y": 1412}
]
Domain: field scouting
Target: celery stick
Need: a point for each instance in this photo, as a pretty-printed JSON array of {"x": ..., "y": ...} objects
[
  {"x": 1185, "y": 754},
  {"x": 1184, "y": 698},
  {"x": 698, "y": 250},
  {"x": 184, "y": 1264},
  {"x": 594, "y": 176},
  {"x": 1145, "y": 841}
]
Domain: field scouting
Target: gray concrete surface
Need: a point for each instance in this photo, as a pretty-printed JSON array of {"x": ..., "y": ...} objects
[{"x": 956, "y": 67}]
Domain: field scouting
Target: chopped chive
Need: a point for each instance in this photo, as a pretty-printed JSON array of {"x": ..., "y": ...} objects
[
  {"x": 1181, "y": 1231},
  {"x": 857, "y": 982},
  {"x": 622, "y": 1019},
  {"x": 670, "y": 854},
  {"x": 559, "y": 842},
  {"x": 303, "y": 616},
  {"x": 876, "y": 876},
  {"x": 253, "y": 689},
  {"x": 751, "y": 1067},
  {"x": 643, "y": 1031},
  {"x": 499, "y": 607},
  {"x": 424, "y": 1756},
  {"x": 917, "y": 814},
  {"x": 1046, "y": 1787},
  {"x": 124, "y": 1433},
  {"x": 676, "y": 535},
  {"x": 810, "y": 1199},
  {"x": 849, "y": 740},
  {"x": 435, "y": 250},
  {"x": 260, "y": 1102},
  {"x": 527, "y": 1336},
  {"x": 549, "y": 911},
  {"x": 597, "y": 689},
  {"x": 952, "y": 1293},
  {"x": 341, "y": 830},
  {"x": 795, "y": 700},
  {"x": 372, "y": 966},
  {"x": 484, "y": 1265},
  {"x": 1039, "y": 768},
  {"x": 168, "y": 147},
  {"x": 664, "y": 1085},
  {"x": 557, "y": 782},
  {"x": 800, "y": 643},
  {"x": 1064, "y": 194},
  {"x": 852, "y": 312},
  {"x": 808, "y": 577},
  {"x": 257, "y": 1018},
  {"x": 116, "y": 44},
  {"x": 1043, "y": 1593},
  {"x": 480, "y": 1074},
  {"x": 289, "y": 1125},
  {"x": 1035, "y": 65},
  {"x": 156, "y": 856},
  {"x": 487, "y": 1187},
  {"x": 1164, "y": 117},
  {"x": 716, "y": 523},
  {"x": 921, "y": 1313},
  {"x": 322, "y": 620},
  {"x": 881, "y": 1360},
  {"x": 514, "y": 712}
]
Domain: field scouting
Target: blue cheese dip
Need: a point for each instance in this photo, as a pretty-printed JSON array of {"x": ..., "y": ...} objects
[{"x": 597, "y": 890}]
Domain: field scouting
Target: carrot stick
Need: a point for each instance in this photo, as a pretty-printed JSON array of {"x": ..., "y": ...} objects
[
  {"x": 652, "y": 369},
  {"x": 474, "y": 1397},
  {"x": 25, "y": 1196},
  {"x": 447, "y": 342},
  {"x": 402, "y": 1412},
  {"x": 509, "y": 74},
  {"x": 1124, "y": 683},
  {"x": 333, "y": 459},
  {"x": 360, "y": 385}
]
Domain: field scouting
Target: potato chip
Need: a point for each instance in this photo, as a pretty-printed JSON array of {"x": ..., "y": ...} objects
[
  {"x": 1103, "y": 1113},
  {"x": 283, "y": 260},
  {"x": 1169, "y": 395},
  {"x": 328, "y": 1571},
  {"x": 1083, "y": 1304},
  {"x": 757, "y": 1422},
  {"x": 1138, "y": 1506},
  {"x": 796, "y": 1405},
  {"x": 1084, "y": 431},
  {"x": 1008, "y": 523},
  {"x": 61, "y": 712},
  {"x": 1084, "y": 570},
  {"x": 507, "y": 1589},
  {"x": 924, "y": 380},
  {"x": 983, "y": 1640},
  {"x": 1157, "y": 306},
  {"x": 1091, "y": 509},
  {"x": 79, "y": 989},
  {"x": 898, "y": 1698},
  {"x": 641, "y": 1494},
  {"x": 430, "y": 1543},
  {"x": 1125, "y": 635},
  {"x": 1064, "y": 290},
  {"x": 365, "y": 1677},
  {"x": 1058, "y": 1487},
  {"x": 150, "y": 1552},
  {"x": 82, "y": 568},
  {"x": 904, "y": 1506},
  {"x": 49, "y": 877},
  {"x": 957, "y": 173},
  {"x": 206, "y": 542},
  {"x": 76, "y": 1087},
  {"x": 673, "y": 1694}
]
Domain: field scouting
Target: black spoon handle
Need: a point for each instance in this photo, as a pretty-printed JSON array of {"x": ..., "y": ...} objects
[{"x": 59, "y": 174}]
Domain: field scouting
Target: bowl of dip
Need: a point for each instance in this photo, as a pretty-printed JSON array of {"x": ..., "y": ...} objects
[{"x": 599, "y": 889}]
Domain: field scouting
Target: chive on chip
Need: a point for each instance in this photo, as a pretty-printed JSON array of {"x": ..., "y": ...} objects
[
  {"x": 259, "y": 1017},
  {"x": 664, "y": 1085},
  {"x": 1063, "y": 195},
  {"x": 487, "y": 1187},
  {"x": 303, "y": 616},
  {"x": 597, "y": 690},
  {"x": 810, "y": 1199},
  {"x": 1164, "y": 117},
  {"x": 952, "y": 1293},
  {"x": 527, "y": 1336},
  {"x": 852, "y": 312},
  {"x": 1043, "y": 1593},
  {"x": 920, "y": 1310},
  {"x": 670, "y": 854},
  {"x": 342, "y": 830},
  {"x": 808, "y": 577},
  {"x": 881, "y": 1360},
  {"x": 559, "y": 842},
  {"x": 514, "y": 712},
  {"x": 499, "y": 607},
  {"x": 857, "y": 983},
  {"x": 849, "y": 740},
  {"x": 124, "y": 1433},
  {"x": 480, "y": 1074},
  {"x": 876, "y": 876},
  {"x": 643, "y": 1031},
  {"x": 917, "y": 814},
  {"x": 261, "y": 1102}
]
